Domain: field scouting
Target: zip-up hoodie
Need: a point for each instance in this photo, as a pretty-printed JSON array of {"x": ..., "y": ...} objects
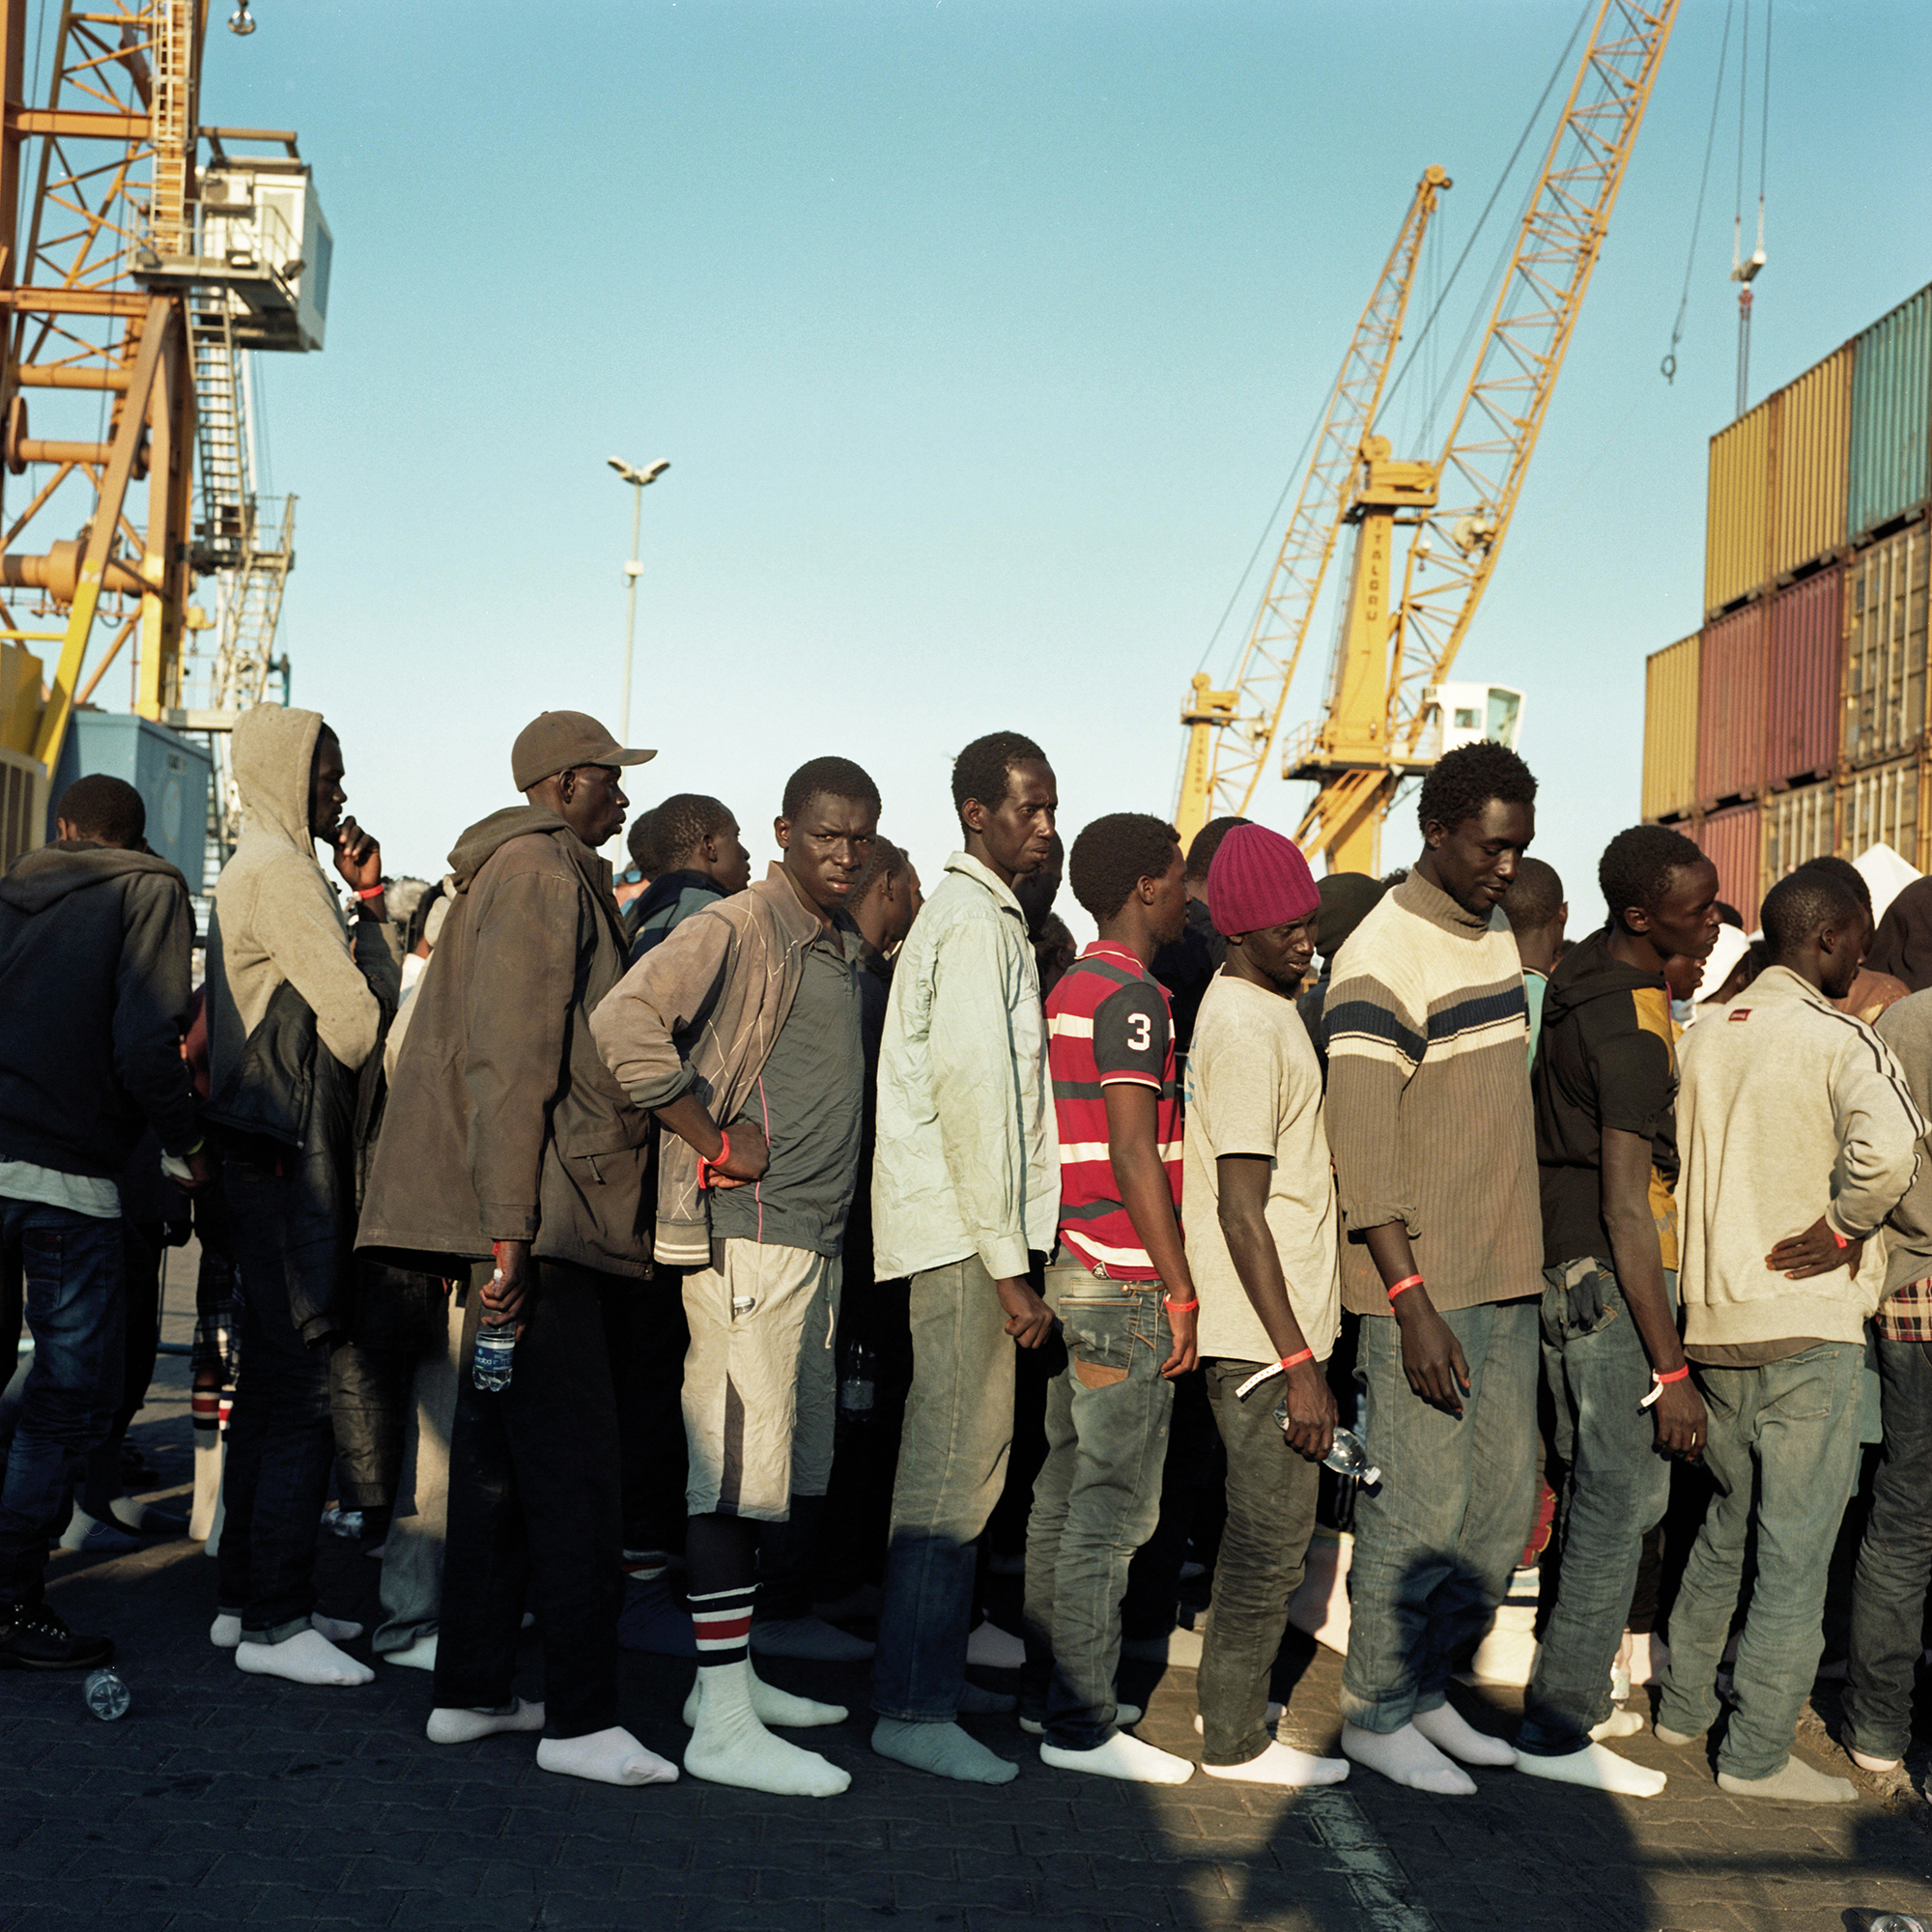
[
  {"x": 701, "y": 1014},
  {"x": 1605, "y": 1063},
  {"x": 275, "y": 915},
  {"x": 1789, "y": 1110},
  {"x": 95, "y": 948},
  {"x": 503, "y": 1123}
]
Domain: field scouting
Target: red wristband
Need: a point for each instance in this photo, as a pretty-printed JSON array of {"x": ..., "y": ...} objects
[
  {"x": 1843, "y": 1244},
  {"x": 373, "y": 893},
  {"x": 1181, "y": 1307},
  {"x": 1406, "y": 1282},
  {"x": 1675, "y": 1376},
  {"x": 706, "y": 1168},
  {"x": 1297, "y": 1359}
]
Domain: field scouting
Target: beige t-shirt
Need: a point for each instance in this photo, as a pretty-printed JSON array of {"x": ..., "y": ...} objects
[{"x": 1254, "y": 1087}]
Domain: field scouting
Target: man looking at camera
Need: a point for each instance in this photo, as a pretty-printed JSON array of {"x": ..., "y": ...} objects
[
  {"x": 1429, "y": 1115},
  {"x": 965, "y": 1187},
  {"x": 1604, "y": 1084},
  {"x": 1261, "y": 1239}
]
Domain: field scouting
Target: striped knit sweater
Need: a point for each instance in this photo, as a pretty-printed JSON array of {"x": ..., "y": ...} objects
[{"x": 1429, "y": 1110}]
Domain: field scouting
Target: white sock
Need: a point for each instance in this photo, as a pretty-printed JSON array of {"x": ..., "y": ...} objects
[
  {"x": 1405, "y": 1756},
  {"x": 306, "y": 1658},
  {"x": 225, "y": 1632},
  {"x": 336, "y": 1629},
  {"x": 809, "y": 1637},
  {"x": 1867, "y": 1762},
  {"x": 1123, "y": 1756},
  {"x": 943, "y": 1749},
  {"x": 991, "y": 1648},
  {"x": 1597, "y": 1770},
  {"x": 1272, "y": 1718},
  {"x": 605, "y": 1757},
  {"x": 1449, "y": 1731},
  {"x": 730, "y": 1746},
  {"x": 1618, "y": 1724},
  {"x": 1283, "y": 1764},
  {"x": 772, "y": 1706},
  {"x": 450, "y": 1725},
  {"x": 1796, "y": 1782},
  {"x": 418, "y": 1655}
]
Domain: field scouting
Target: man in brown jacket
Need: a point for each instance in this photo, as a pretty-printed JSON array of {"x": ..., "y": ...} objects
[{"x": 509, "y": 1155}]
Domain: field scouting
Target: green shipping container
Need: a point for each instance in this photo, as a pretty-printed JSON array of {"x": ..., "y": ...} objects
[{"x": 1891, "y": 411}]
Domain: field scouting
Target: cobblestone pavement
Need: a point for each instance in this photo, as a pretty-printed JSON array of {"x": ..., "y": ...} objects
[{"x": 226, "y": 1799}]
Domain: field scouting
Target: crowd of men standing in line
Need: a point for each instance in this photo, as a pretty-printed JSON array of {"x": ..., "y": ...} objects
[{"x": 558, "y": 1221}]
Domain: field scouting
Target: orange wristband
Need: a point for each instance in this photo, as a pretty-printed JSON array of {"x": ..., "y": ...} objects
[
  {"x": 1675, "y": 1376},
  {"x": 706, "y": 1168},
  {"x": 1406, "y": 1282},
  {"x": 1299, "y": 1356},
  {"x": 1183, "y": 1307}
]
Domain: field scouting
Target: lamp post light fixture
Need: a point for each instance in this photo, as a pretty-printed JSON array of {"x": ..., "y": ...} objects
[{"x": 639, "y": 479}]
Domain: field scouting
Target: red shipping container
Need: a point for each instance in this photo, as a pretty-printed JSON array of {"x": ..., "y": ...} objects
[
  {"x": 1731, "y": 840},
  {"x": 1806, "y": 658},
  {"x": 1731, "y": 685}
]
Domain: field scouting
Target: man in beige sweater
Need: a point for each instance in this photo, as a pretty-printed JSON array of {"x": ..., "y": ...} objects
[{"x": 1799, "y": 1137}]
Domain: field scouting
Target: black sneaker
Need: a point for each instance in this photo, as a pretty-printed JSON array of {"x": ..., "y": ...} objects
[{"x": 33, "y": 1638}]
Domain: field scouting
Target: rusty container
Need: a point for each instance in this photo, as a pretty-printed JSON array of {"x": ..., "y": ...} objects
[
  {"x": 1802, "y": 686},
  {"x": 1891, "y": 413},
  {"x": 1731, "y": 704},
  {"x": 1814, "y": 430},
  {"x": 1884, "y": 648},
  {"x": 1737, "y": 532},
  {"x": 1670, "y": 728},
  {"x": 1732, "y": 840},
  {"x": 1880, "y": 807},
  {"x": 1798, "y": 824}
]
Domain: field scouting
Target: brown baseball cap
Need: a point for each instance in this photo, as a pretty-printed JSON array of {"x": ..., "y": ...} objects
[{"x": 557, "y": 741}]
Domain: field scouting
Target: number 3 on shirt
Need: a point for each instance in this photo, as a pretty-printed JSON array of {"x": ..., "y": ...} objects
[{"x": 1140, "y": 1033}]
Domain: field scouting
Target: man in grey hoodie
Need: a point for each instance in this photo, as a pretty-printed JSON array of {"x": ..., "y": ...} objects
[
  {"x": 95, "y": 934},
  {"x": 295, "y": 1008},
  {"x": 1799, "y": 1137}
]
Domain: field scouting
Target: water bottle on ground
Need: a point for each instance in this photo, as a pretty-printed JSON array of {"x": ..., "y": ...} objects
[
  {"x": 107, "y": 1694},
  {"x": 496, "y": 1353},
  {"x": 858, "y": 1386},
  {"x": 1345, "y": 1456},
  {"x": 1899, "y": 1921}
]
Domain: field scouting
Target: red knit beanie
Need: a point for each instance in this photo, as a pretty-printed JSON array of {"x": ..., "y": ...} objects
[{"x": 1259, "y": 879}]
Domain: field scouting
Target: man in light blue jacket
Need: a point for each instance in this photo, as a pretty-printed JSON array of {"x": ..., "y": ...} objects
[{"x": 965, "y": 1184}]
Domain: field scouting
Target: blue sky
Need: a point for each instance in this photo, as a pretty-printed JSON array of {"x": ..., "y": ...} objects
[{"x": 981, "y": 338}]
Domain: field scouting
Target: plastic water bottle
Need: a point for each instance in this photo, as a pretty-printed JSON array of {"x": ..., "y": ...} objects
[
  {"x": 1345, "y": 1456},
  {"x": 107, "y": 1694},
  {"x": 495, "y": 1351},
  {"x": 1899, "y": 1921},
  {"x": 857, "y": 1387}
]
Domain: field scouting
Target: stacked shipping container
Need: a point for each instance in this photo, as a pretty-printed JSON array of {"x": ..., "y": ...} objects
[{"x": 1796, "y": 721}]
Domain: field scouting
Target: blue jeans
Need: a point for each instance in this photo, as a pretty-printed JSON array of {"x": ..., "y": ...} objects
[
  {"x": 77, "y": 1310},
  {"x": 1787, "y": 1436},
  {"x": 281, "y": 1439},
  {"x": 1615, "y": 1491},
  {"x": 952, "y": 1461},
  {"x": 1437, "y": 1539},
  {"x": 1096, "y": 1498},
  {"x": 1894, "y": 1561}
]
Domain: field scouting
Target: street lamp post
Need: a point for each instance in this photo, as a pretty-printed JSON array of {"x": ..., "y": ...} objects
[{"x": 634, "y": 569}]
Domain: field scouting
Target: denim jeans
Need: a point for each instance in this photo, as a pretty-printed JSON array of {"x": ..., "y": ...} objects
[
  {"x": 953, "y": 1461},
  {"x": 535, "y": 1507},
  {"x": 281, "y": 1438},
  {"x": 1616, "y": 1490},
  {"x": 1438, "y": 1539},
  {"x": 1271, "y": 1497},
  {"x": 1894, "y": 1561},
  {"x": 1096, "y": 1498},
  {"x": 75, "y": 1308},
  {"x": 1788, "y": 1433}
]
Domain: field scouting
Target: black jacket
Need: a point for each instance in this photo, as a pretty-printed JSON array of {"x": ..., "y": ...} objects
[{"x": 95, "y": 969}]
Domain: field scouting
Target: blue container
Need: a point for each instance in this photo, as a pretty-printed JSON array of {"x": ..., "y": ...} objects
[
  {"x": 174, "y": 776},
  {"x": 1891, "y": 413}
]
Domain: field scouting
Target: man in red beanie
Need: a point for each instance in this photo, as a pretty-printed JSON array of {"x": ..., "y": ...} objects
[
  {"x": 1120, "y": 1285},
  {"x": 1260, "y": 1209}
]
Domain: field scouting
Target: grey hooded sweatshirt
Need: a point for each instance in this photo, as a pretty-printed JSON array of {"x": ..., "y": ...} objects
[
  {"x": 277, "y": 917},
  {"x": 94, "y": 958}
]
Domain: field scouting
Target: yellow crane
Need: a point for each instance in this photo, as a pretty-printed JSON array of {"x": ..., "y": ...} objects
[{"x": 1380, "y": 720}]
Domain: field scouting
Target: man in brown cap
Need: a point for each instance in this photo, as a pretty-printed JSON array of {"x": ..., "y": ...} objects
[{"x": 509, "y": 1156}]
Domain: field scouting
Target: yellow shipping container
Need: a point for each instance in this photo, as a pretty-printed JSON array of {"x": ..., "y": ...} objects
[
  {"x": 1881, "y": 807},
  {"x": 1798, "y": 825},
  {"x": 1670, "y": 727},
  {"x": 1885, "y": 652},
  {"x": 1737, "y": 538},
  {"x": 20, "y": 697},
  {"x": 1814, "y": 429}
]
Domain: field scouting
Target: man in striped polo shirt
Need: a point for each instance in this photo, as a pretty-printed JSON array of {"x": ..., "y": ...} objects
[
  {"x": 1430, "y": 1124},
  {"x": 1120, "y": 1288}
]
